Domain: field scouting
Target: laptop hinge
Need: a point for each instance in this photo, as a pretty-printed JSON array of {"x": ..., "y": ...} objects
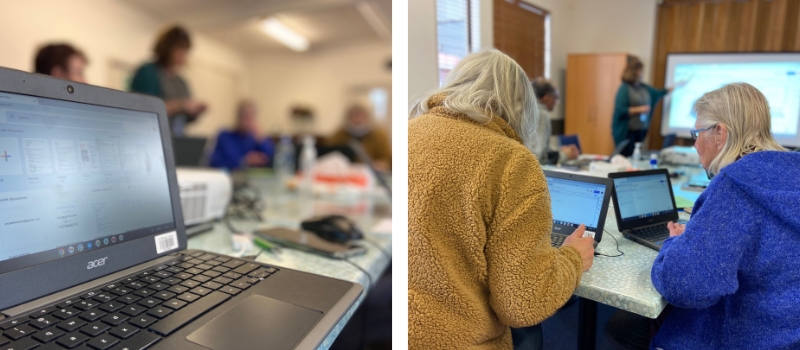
[{"x": 96, "y": 283}]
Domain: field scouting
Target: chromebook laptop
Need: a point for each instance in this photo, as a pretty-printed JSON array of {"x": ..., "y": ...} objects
[
  {"x": 575, "y": 200},
  {"x": 92, "y": 242},
  {"x": 643, "y": 205}
]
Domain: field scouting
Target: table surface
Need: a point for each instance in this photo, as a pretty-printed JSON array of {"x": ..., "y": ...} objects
[
  {"x": 288, "y": 209},
  {"x": 624, "y": 282}
]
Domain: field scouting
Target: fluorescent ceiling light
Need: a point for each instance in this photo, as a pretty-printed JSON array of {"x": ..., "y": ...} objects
[
  {"x": 285, "y": 35},
  {"x": 375, "y": 19}
]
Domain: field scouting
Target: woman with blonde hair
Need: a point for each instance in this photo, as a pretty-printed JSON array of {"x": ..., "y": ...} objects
[
  {"x": 479, "y": 253},
  {"x": 732, "y": 272}
]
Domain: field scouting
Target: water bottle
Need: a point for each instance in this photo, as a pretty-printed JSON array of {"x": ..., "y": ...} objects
[
  {"x": 654, "y": 161},
  {"x": 284, "y": 158},
  {"x": 308, "y": 158},
  {"x": 637, "y": 155}
]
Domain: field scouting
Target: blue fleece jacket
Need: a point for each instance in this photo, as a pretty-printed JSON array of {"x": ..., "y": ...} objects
[
  {"x": 233, "y": 146},
  {"x": 734, "y": 274}
]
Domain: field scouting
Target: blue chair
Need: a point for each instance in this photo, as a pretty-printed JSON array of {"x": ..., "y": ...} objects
[{"x": 570, "y": 140}]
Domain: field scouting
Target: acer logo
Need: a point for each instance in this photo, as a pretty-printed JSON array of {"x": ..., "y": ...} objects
[
  {"x": 96, "y": 263},
  {"x": 557, "y": 228}
]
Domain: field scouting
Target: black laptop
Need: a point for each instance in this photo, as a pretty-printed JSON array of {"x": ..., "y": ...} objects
[
  {"x": 188, "y": 150},
  {"x": 644, "y": 204},
  {"x": 575, "y": 200},
  {"x": 92, "y": 242}
]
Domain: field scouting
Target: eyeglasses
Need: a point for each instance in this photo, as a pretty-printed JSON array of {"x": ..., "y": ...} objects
[{"x": 697, "y": 132}]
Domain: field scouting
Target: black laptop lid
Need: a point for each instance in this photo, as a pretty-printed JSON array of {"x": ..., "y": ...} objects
[
  {"x": 643, "y": 198},
  {"x": 577, "y": 199},
  {"x": 188, "y": 150},
  {"x": 87, "y": 184}
]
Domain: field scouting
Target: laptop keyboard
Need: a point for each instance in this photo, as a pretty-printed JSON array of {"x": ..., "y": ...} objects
[
  {"x": 557, "y": 240},
  {"x": 135, "y": 312},
  {"x": 652, "y": 233}
]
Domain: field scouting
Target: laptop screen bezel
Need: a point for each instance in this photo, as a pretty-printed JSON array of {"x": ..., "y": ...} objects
[
  {"x": 32, "y": 282},
  {"x": 627, "y": 225},
  {"x": 601, "y": 222}
]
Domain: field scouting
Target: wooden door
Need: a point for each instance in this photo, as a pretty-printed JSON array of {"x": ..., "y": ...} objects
[{"x": 592, "y": 83}]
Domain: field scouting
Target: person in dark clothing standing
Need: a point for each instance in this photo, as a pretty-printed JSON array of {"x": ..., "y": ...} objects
[{"x": 161, "y": 79}]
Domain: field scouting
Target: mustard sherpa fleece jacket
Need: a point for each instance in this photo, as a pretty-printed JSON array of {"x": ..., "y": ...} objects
[{"x": 479, "y": 254}]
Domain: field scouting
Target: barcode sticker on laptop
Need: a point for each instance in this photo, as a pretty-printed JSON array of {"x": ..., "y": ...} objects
[
  {"x": 588, "y": 234},
  {"x": 166, "y": 242}
]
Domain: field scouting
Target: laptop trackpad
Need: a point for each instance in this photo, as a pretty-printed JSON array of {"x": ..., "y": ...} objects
[{"x": 258, "y": 322}]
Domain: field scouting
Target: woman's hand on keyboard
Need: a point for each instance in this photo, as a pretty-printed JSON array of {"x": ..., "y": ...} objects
[
  {"x": 584, "y": 246},
  {"x": 675, "y": 229}
]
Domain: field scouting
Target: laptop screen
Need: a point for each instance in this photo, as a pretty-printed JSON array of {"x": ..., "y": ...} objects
[
  {"x": 643, "y": 196},
  {"x": 75, "y": 178},
  {"x": 575, "y": 203}
]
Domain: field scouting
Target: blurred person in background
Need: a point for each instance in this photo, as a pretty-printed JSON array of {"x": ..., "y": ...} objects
[
  {"x": 62, "y": 61},
  {"x": 244, "y": 146},
  {"x": 161, "y": 79},
  {"x": 547, "y": 95},
  {"x": 359, "y": 125}
]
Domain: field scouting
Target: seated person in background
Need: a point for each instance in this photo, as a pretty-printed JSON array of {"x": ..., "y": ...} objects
[
  {"x": 479, "y": 219},
  {"x": 161, "y": 79},
  {"x": 243, "y": 147},
  {"x": 547, "y": 96},
  {"x": 61, "y": 61},
  {"x": 358, "y": 125},
  {"x": 731, "y": 272}
]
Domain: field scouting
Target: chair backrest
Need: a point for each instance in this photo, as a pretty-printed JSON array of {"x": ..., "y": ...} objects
[
  {"x": 570, "y": 140},
  {"x": 669, "y": 141}
]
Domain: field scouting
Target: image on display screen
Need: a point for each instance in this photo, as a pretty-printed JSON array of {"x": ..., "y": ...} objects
[
  {"x": 574, "y": 203},
  {"x": 777, "y": 76},
  {"x": 643, "y": 196},
  {"x": 77, "y": 177}
]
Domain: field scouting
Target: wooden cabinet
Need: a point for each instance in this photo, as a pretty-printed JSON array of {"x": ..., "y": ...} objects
[{"x": 591, "y": 87}]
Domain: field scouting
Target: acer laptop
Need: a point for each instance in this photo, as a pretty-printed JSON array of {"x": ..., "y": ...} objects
[
  {"x": 93, "y": 246},
  {"x": 575, "y": 200},
  {"x": 643, "y": 205}
]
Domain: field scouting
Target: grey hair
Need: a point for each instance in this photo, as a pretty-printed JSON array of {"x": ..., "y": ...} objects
[
  {"x": 487, "y": 84},
  {"x": 543, "y": 87},
  {"x": 745, "y": 113}
]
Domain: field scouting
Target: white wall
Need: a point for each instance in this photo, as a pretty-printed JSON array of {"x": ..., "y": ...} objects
[
  {"x": 423, "y": 71},
  {"x": 327, "y": 81},
  {"x": 577, "y": 26},
  {"x": 614, "y": 26},
  {"x": 116, "y": 38}
]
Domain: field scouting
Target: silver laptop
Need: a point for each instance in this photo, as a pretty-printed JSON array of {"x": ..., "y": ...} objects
[{"x": 92, "y": 242}]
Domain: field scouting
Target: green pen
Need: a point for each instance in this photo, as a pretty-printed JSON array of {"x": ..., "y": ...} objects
[{"x": 264, "y": 244}]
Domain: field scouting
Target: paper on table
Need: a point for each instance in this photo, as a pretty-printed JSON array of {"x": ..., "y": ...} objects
[{"x": 383, "y": 227}]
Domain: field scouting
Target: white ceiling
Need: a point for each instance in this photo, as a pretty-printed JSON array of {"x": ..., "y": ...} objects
[{"x": 235, "y": 23}]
